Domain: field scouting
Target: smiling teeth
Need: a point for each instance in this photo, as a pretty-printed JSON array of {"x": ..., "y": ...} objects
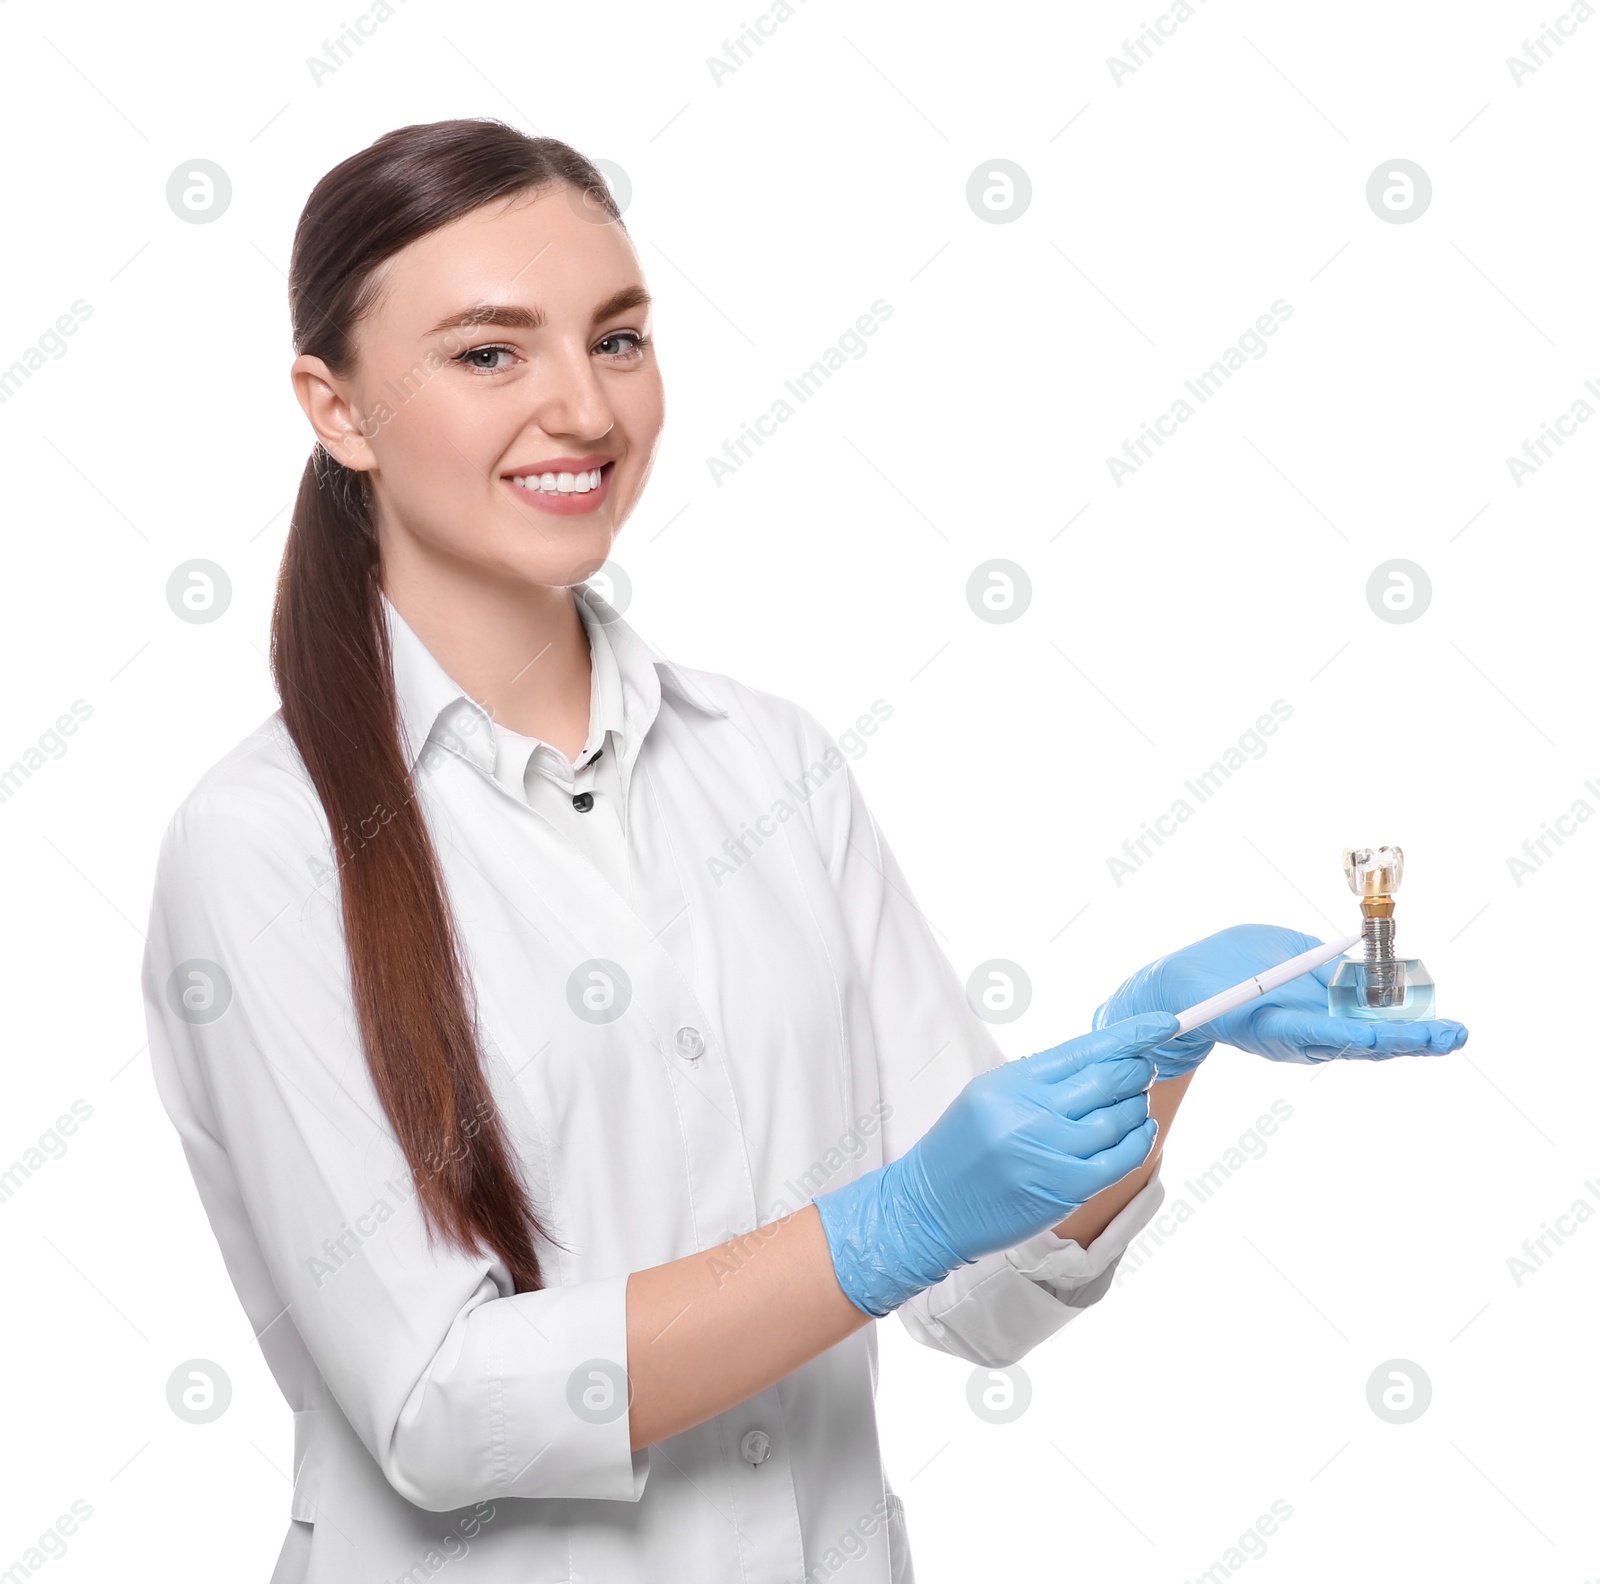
[{"x": 560, "y": 483}]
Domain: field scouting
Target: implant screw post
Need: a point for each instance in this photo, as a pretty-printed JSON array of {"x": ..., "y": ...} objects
[
  {"x": 1374, "y": 876},
  {"x": 1383, "y": 969}
]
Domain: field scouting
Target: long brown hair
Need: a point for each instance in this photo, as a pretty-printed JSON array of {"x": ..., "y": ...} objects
[{"x": 331, "y": 662}]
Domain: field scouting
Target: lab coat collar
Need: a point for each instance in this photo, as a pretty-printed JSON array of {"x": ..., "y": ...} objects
[
  {"x": 643, "y": 673},
  {"x": 434, "y": 709}
]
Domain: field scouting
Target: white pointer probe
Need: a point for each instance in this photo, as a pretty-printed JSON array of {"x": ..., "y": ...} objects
[{"x": 1261, "y": 983}]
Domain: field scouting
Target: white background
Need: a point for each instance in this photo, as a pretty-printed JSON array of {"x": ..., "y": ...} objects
[{"x": 1168, "y": 211}]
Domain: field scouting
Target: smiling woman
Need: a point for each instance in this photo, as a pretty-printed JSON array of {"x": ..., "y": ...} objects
[
  {"x": 572, "y": 1069},
  {"x": 484, "y": 1118}
]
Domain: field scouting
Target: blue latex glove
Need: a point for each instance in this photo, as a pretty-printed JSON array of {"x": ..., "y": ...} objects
[
  {"x": 1289, "y": 1024},
  {"x": 1018, "y": 1148}
]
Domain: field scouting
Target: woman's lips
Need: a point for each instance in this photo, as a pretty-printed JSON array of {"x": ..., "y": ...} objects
[{"x": 558, "y": 504}]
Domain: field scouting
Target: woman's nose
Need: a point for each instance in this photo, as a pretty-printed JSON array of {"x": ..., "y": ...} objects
[{"x": 569, "y": 397}]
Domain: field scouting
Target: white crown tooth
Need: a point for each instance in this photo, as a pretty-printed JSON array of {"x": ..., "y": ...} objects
[
  {"x": 547, "y": 481},
  {"x": 582, "y": 483},
  {"x": 564, "y": 481}
]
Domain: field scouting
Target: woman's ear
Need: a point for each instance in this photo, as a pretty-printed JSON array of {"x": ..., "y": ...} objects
[{"x": 333, "y": 415}]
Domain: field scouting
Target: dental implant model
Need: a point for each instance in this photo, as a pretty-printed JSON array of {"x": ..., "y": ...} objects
[{"x": 1381, "y": 987}]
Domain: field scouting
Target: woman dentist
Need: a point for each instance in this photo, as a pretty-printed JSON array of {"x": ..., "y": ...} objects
[{"x": 560, "y": 1170}]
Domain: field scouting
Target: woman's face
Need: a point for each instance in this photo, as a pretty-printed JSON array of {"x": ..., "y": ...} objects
[{"x": 510, "y": 344}]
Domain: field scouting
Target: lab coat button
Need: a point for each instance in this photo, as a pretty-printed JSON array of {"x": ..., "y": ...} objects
[
  {"x": 755, "y": 1447},
  {"x": 583, "y": 802},
  {"x": 690, "y": 1043}
]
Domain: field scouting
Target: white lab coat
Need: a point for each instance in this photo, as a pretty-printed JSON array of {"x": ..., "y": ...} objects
[{"x": 789, "y": 1023}]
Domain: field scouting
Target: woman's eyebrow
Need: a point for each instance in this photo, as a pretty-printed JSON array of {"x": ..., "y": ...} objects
[{"x": 512, "y": 316}]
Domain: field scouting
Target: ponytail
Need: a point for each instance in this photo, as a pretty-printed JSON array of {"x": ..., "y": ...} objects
[{"x": 331, "y": 662}]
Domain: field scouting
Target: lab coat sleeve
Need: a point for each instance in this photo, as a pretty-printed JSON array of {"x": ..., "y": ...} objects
[
  {"x": 929, "y": 1044},
  {"x": 460, "y": 1389}
]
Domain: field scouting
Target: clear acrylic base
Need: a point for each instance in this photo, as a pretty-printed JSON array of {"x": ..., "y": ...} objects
[{"x": 1409, "y": 999}]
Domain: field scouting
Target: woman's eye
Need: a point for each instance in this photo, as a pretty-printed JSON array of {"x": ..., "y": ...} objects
[
  {"x": 622, "y": 346},
  {"x": 472, "y": 355},
  {"x": 628, "y": 345}
]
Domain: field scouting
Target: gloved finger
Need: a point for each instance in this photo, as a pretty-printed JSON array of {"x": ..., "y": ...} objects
[
  {"x": 1387, "y": 1052},
  {"x": 1101, "y": 1083},
  {"x": 1129, "y": 1037},
  {"x": 1099, "y": 1130},
  {"x": 1389, "y": 1039},
  {"x": 1434, "y": 1037},
  {"x": 1332, "y": 1038},
  {"x": 1085, "y": 1178},
  {"x": 1272, "y": 1021}
]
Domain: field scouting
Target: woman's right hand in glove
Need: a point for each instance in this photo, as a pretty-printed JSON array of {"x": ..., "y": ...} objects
[{"x": 1019, "y": 1148}]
